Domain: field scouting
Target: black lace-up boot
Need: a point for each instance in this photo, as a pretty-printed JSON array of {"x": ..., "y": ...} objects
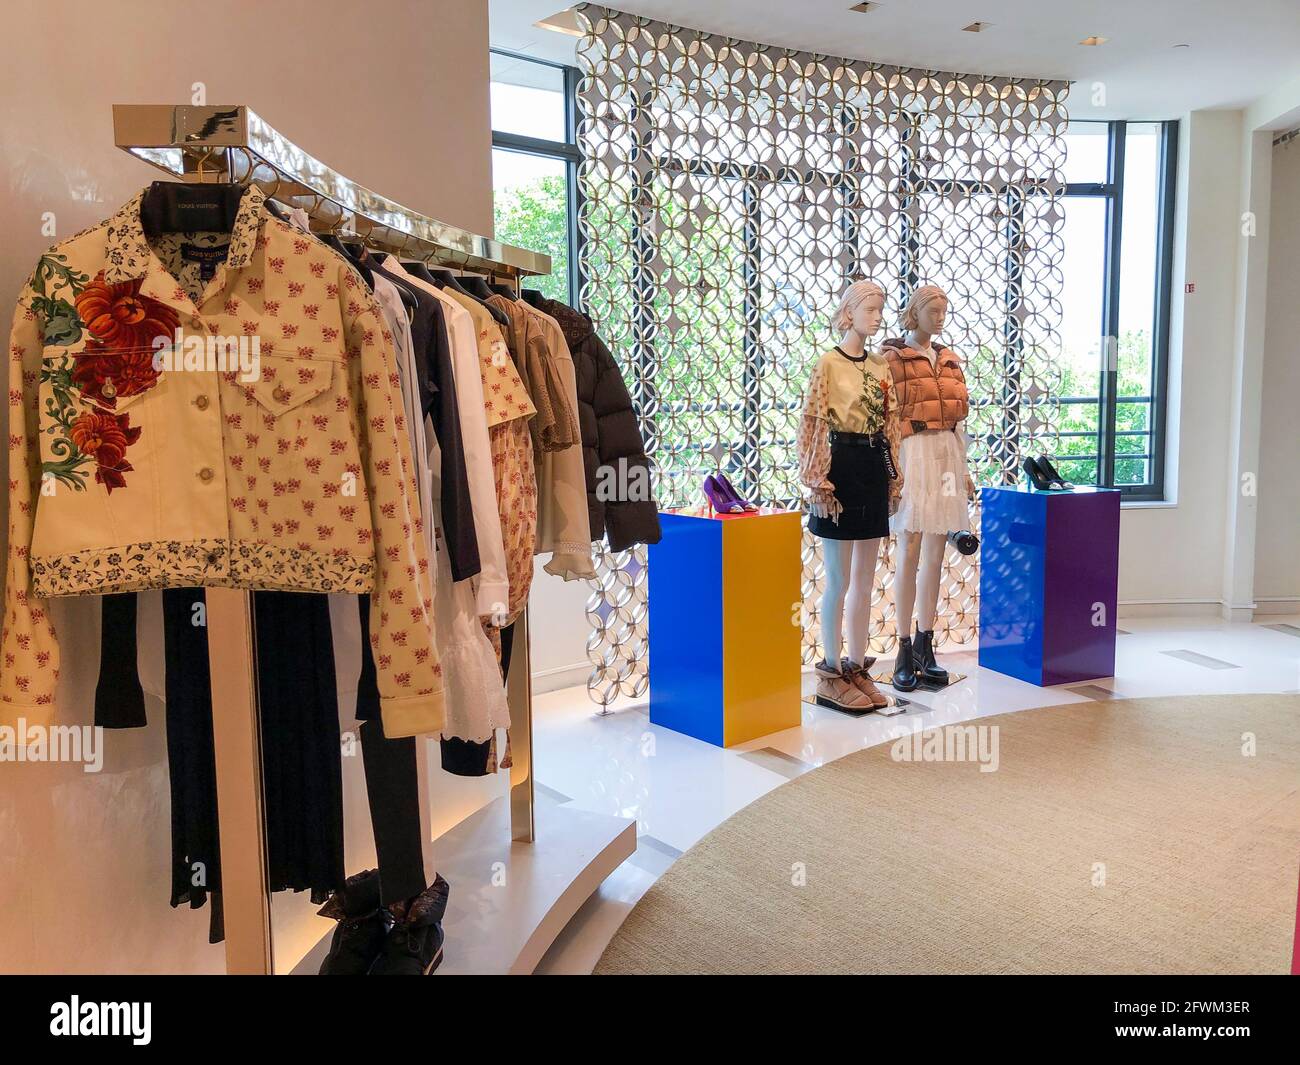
[
  {"x": 363, "y": 924},
  {"x": 414, "y": 943}
]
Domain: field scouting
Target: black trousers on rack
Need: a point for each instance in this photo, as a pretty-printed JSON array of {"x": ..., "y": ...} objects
[
  {"x": 301, "y": 756},
  {"x": 119, "y": 699},
  {"x": 392, "y": 786}
]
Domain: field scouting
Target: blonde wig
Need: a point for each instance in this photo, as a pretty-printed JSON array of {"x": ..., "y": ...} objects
[
  {"x": 854, "y": 296},
  {"x": 923, "y": 295}
]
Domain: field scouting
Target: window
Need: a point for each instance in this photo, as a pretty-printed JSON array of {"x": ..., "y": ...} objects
[
  {"x": 1118, "y": 238},
  {"x": 534, "y": 160}
]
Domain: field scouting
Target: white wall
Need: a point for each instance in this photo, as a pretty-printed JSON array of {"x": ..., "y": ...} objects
[
  {"x": 558, "y": 610},
  {"x": 1277, "y": 557},
  {"x": 1215, "y": 548},
  {"x": 1171, "y": 554}
]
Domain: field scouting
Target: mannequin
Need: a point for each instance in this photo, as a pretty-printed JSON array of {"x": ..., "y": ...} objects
[
  {"x": 846, "y": 464},
  {"x": 932, "y": 407}
]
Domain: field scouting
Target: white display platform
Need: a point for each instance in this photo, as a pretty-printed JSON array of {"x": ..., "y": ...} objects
[{"x": 510, "y": 900}]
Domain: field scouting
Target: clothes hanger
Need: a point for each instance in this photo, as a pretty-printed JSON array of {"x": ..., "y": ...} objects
[
  {"x": 475, "y": 286},
  {"x": 478, "y": 288},
  {"x": 444, "y": 278},
  {"x": 355, "y": 253},
  {"x": 416, "y": 268},
  {"x": 407, "y": 294},
  {"x": 180, "y": 207},
  {"x": 503, "y": 290},
  {"x": 532, "y": 297}
]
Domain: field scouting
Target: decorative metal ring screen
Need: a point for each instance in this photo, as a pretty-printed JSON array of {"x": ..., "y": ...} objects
[{"x": 729, "y": 191}]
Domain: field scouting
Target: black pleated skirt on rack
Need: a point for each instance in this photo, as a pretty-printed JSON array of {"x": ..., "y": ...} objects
[{"x": 301, "y": 756}]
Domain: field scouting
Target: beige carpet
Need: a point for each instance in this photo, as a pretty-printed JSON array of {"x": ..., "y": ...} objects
[{"x": 1114, "y": 837}]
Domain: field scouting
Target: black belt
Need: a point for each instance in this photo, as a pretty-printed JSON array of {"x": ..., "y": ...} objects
[
  {"x": 876, "y": 439},
  {"x": 860, "y": 439}
]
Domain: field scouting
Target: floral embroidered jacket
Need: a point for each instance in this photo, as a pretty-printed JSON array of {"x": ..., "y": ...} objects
[
  {"x": 142, "y": 463},
  {"x": 851, "y": 396}
]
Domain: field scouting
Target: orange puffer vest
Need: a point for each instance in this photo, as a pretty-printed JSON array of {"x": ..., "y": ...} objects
[{"x": 928, "y": 397}]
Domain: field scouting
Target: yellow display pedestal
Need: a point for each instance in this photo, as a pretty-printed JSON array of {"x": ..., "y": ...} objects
[{"x": 725, "y": 609}]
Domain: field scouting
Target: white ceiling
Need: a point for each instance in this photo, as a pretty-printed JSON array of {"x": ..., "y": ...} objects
[{"x": 1237, "y": 49}]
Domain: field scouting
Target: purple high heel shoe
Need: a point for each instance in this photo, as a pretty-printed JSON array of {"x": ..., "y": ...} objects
[
  {"x": 730, "y": 492},
  {"x": 718, "y": 498}
]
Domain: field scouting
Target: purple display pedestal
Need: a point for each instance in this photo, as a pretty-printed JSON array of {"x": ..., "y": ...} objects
[{"x": 1049, "y": 575}]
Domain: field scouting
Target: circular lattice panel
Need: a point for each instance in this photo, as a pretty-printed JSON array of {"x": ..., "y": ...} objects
[{"x": 729, "y": 192}]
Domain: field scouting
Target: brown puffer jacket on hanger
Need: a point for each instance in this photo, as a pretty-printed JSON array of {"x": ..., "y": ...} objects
[{"x": 610, "y": 437}]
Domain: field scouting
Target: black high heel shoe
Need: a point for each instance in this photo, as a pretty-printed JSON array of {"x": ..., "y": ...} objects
[
  {"x": 1053, "y": 475},
  {"x": 1037, "y": 476}
]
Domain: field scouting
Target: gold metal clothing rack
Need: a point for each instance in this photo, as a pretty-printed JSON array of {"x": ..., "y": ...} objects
[{"x": 232, "y": 144}]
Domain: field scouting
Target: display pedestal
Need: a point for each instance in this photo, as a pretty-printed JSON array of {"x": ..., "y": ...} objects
[
  {"x": 1049, "y": 576},
  {"x": 724, "y": 625},
  {"x": 510, "y": 900}
]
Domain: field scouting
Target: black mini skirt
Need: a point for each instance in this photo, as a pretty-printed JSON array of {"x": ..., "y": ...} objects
[{"x": 860, "y": 475}]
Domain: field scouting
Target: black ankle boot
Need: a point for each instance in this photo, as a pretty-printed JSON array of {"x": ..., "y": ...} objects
[
  {"x": 904, "y": 667},
  {"x": 924, "y": 659},
  {"x": 363, "y": 926},
  {"x": 414, "y": 944}
]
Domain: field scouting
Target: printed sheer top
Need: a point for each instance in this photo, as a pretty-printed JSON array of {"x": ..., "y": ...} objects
[{"x": 845, "y": 394}]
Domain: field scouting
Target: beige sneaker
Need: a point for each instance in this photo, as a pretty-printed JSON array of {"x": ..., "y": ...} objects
[
  {"x": 839, "y": 692},
  {"x": 863, "y": 682}
]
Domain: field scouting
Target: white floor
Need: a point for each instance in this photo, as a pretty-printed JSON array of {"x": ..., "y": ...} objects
[{"x": 678, "y": 788}]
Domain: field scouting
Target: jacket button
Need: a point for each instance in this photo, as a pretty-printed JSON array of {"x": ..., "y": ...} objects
[
  {"x": 201, "y": 402},
  {"x": 206, "y": 474},
  {"x": 281, "y": 394}
]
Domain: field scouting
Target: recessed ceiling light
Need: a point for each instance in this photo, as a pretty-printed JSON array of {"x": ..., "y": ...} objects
[
  {"x": 1182, "y": 46},
  {"x": 565, "y": 21},
  {"x": 976, "y": 27},
  {"x": 1092, "y": 42},
  {"x": 863, "y": 8}
]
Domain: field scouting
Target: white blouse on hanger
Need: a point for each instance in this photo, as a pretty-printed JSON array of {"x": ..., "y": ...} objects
[{"x": 493, "y": 587}]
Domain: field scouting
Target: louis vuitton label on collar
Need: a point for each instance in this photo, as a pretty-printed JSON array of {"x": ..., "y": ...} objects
[
  {"x": 206, "y": 258},
  {"x": 128, "y": 252}
]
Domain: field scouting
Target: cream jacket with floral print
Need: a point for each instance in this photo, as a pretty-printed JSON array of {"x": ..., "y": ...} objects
[{"x": 289, "y": 471}]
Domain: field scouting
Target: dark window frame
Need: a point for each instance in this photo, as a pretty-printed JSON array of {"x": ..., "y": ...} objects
[
  {"x": 1112, "y": 192},
  {"x": 566, "y": 151}
]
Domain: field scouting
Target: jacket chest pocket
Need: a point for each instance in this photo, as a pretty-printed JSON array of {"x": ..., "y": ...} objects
[{"x": 286, "y": 384}]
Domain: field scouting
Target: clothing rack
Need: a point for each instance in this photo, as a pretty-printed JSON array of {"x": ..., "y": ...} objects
[{"x": 234, "y": 145}]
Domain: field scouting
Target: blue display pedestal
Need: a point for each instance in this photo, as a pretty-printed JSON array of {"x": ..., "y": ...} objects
[
  {"x": 724, "y": 625},
  {"x": 1049, "y": 576}
]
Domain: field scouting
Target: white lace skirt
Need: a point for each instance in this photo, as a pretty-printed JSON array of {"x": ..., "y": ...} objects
[{"x": 933, "y": 464}]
